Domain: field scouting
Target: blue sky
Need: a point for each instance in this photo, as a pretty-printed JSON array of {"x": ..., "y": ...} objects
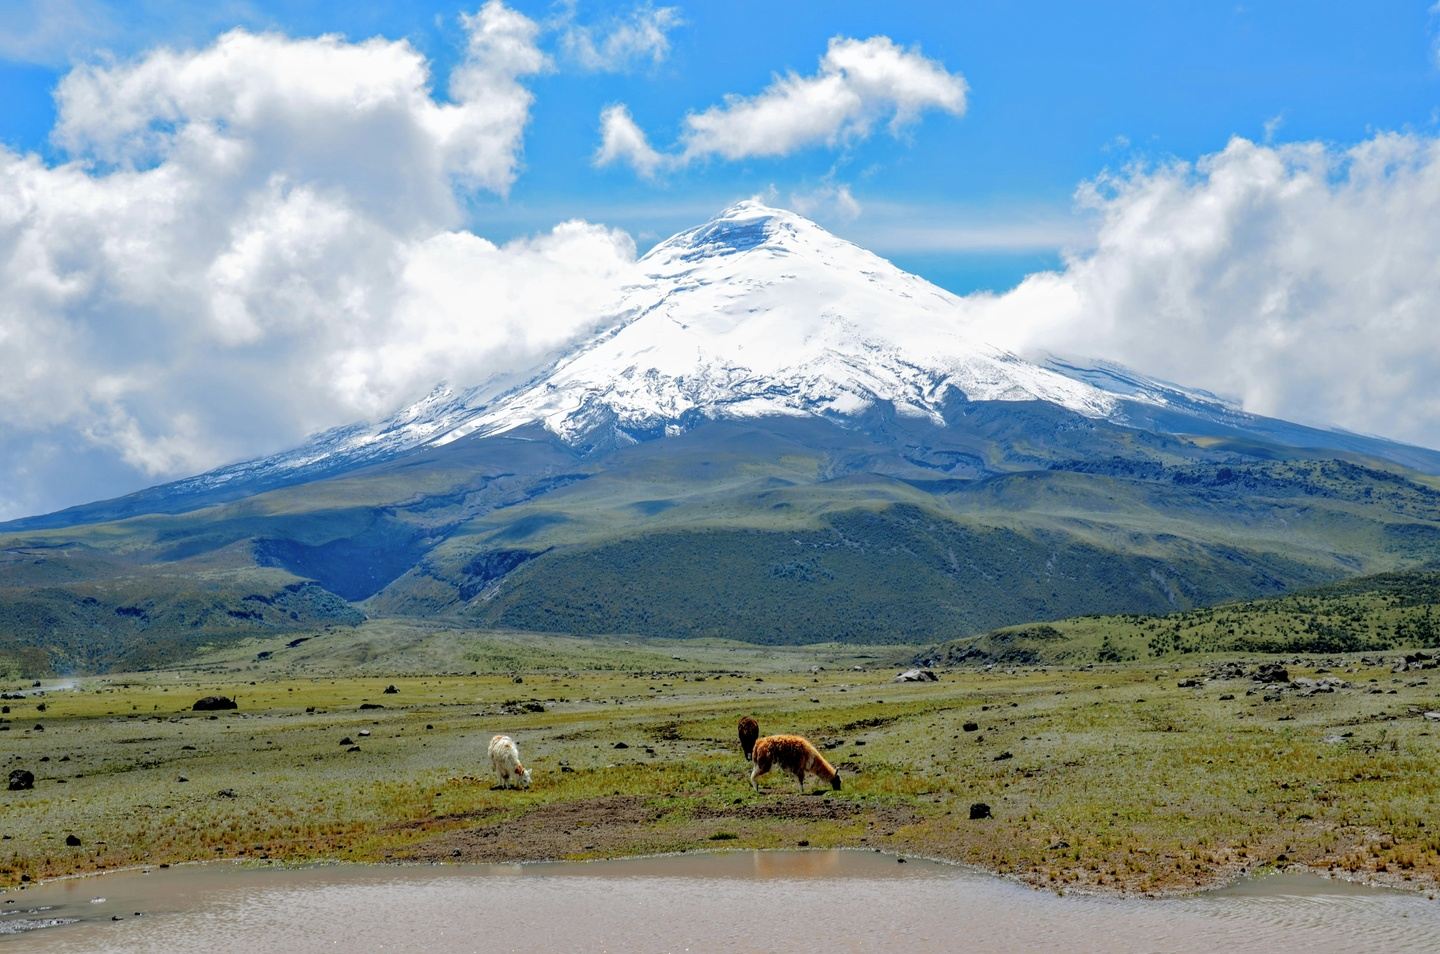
[
  {"x": 1058, "y": 93},
  {"x": 224, "y": 232}
]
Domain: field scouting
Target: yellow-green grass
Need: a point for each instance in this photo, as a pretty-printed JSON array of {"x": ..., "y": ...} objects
[{"x": 1117, "y": 777}]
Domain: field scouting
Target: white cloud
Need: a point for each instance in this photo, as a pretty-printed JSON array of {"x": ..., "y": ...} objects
[
  {"x": 259, "y": 238},
  {"x": 636, "y": 39},
  {"x": 1300, "y": 278},
  {"x": 827, "y": 202},
  {"x": 860, "y": 84},
  {"x": 621, "y": 140}
]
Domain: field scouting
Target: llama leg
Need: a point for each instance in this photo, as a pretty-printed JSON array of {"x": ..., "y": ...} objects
[{"x": 755, "y": 773}]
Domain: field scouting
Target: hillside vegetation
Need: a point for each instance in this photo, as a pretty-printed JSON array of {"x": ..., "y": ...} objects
[{"x": 1373, "y": 613}]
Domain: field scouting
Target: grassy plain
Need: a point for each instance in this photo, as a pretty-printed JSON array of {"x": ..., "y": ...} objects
[{"x": 1113, "y": 777}]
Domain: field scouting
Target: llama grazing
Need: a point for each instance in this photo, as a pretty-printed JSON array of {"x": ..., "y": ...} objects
[
  {"x": 505, "y": 757},
  {"x": 749, "y": 732},
  {"x": 793, "y": 754}
]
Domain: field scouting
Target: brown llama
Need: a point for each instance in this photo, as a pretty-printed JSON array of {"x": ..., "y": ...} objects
[
  {"x": 749, "y": 732},
  {"x": 793, "y": 754}
]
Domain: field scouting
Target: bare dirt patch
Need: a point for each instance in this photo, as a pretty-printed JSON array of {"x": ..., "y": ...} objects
[{"x": 630, "y": 824}]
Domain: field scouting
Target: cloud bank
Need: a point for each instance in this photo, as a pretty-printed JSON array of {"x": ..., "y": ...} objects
[
  {"x": 1300, "y": 278},
  {"x": 860, "y": 84},
  {"x": 260, "y": 238}
]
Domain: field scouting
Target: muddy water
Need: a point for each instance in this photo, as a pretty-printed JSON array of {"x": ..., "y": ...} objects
[{"x": 828, "y": 901}]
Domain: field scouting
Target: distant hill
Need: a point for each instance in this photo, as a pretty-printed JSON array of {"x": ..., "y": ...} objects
[{"x": 1381, "y": 612}]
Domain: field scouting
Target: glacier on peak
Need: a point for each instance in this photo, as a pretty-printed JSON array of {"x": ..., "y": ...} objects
[{"x": 757, "y": 312}]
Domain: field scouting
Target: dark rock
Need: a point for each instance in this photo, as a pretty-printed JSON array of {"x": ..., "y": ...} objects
[
  {"x": 621, "y": 745},
  {"x": 214, "y": 704},
  {"x": 21, "y": 779},
  {"x": 72, "y": 842},
  {"x": 353, "y": 748},
  {"x": 347, "y": 741},
  {"x": 1227, "y": 670},
  {"x": 226, "y": 793},
  {"x": 1190, "y": 683},
  {"x": 1002, "y": 757},
  {"x": 1227, "y": 697},
  {"x": 370, "y": 705},
  {"x": 980, "y": 810},
  {"x": 1415, "y": 660},
  {"x": 971, "y": 726},
  {"x": 1271, "y": 672},
  {"x": 390, "y": 690}
]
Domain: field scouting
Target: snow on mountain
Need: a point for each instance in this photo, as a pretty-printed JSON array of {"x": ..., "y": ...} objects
[
  {"x": 757, "y": 312},
  {"x": 763, "y": 312}
]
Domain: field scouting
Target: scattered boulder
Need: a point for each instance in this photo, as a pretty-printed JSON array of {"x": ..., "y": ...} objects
[
  {"x": 214, "y": 704},
  {"x": 347, "y": 741},
  {"x": 22, "y": 780},
  {"x": 621, "y": 745},
  {"x": 226, "y": 793},
  {"x": 971, "y": 726},
  {"x": 1416, "y": 660},
  {"x": 1190, "y": 683},
  {"x": 980, "y": 810},
  {"x": 72, "y": 842},
  {"x": 370, "y": 705},
  {"x": 390, "y": 690},
  {"x": 917, "y": 675},
  {"x": 1227, "y": 670},
  {"x": 1271, "y": 672},
  {"x": 1309, "y": 687}
]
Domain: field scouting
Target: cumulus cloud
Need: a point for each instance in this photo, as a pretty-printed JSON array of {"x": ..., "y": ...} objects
[
  {"x": 260, "y": 238},
  {"x": 860, "y": 85},
  {"x": 1300, "y": 278},
  {"x": 621, "y": 140},
  {"x": 638, "y": 38}
]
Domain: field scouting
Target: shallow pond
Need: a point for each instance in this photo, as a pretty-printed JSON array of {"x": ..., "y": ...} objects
[{"x": 828, "y": 901}]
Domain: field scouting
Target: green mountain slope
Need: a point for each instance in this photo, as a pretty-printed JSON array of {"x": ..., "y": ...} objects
[
  {"x": 779, "y": 530},
  {"x": 1380, "y": 612}
]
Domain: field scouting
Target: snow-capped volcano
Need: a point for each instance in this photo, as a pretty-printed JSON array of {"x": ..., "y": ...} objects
[{"x": 760, "y": 312}]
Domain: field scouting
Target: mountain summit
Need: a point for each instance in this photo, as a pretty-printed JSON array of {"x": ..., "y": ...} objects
[{"x": 762, "y": 312}]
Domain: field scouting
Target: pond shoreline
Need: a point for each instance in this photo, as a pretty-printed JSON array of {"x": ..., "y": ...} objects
[
  {"x": 664, "y": 902},
  {"x": 1228, "y": 880}
]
